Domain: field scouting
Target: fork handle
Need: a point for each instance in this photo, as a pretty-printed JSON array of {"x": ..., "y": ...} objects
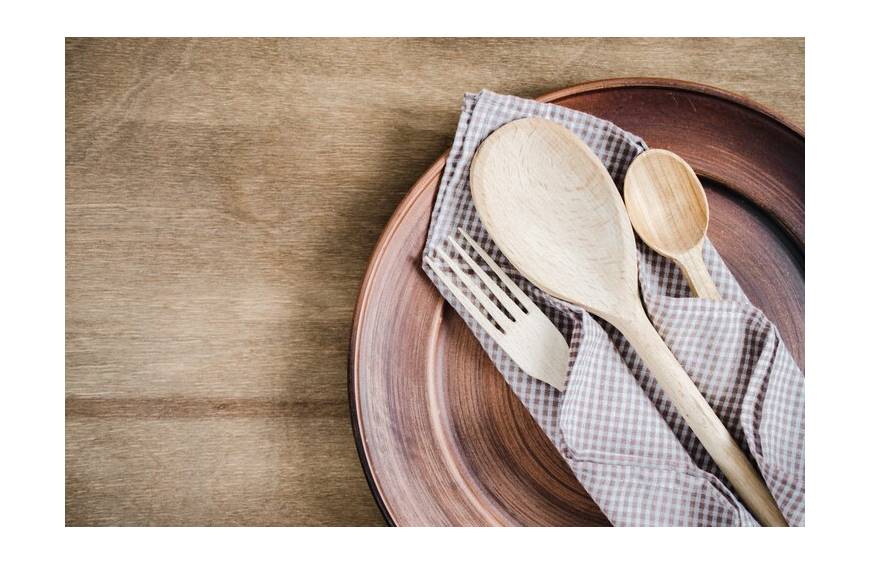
[{"x": 692, "y": 406}]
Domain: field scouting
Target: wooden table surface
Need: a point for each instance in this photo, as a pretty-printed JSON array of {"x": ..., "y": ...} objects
[{"x": 222, "y": 200}]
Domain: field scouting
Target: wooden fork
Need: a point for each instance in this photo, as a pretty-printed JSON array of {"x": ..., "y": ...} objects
[{"x": 513, "y": 321}]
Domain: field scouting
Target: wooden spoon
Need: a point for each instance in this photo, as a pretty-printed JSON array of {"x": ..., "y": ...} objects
[
  {"x": 553, "y": 210},
  {"x": 668, "y": 209}
]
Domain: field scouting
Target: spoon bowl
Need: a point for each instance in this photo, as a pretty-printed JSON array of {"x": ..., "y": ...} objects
[{"x": 539, "y": 171}]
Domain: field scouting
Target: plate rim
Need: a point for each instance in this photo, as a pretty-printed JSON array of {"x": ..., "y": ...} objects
[{"x": 435, "y": 169}]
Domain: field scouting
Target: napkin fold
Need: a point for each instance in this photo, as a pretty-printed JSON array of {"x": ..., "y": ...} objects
[{"x": 620, "y": 435}]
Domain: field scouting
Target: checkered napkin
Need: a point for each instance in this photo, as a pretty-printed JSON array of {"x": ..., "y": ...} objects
[{"x": 620, "y": 435}]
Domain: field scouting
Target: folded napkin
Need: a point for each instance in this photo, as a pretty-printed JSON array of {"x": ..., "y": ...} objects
[{"x": 614, "y": 426}]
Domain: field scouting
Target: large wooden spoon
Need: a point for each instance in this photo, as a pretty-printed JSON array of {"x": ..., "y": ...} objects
[
  {"x": 553, "y": 210},
  {"x": 668, "y": 208}
]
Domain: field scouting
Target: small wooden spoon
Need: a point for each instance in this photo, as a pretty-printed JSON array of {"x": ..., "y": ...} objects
[
  {"x": 553, "y": 210},
  {"x": 668, "y": 209}
]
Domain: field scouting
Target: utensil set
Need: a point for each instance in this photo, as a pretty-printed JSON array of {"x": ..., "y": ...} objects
[{"x": 553, "y": 210}]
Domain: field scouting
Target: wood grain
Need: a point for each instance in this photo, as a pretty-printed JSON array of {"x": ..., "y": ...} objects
[{"x": 222, "y": 199}]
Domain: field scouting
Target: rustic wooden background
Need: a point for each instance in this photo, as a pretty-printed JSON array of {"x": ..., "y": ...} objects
[{"x": 222, "y": 200}]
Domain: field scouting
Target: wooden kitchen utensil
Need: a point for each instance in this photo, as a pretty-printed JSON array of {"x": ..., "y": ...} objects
[
  {"x": 513, "y": 321},
  {"x": 553, "y": 210},
  {"x": 668, "y": 208}
]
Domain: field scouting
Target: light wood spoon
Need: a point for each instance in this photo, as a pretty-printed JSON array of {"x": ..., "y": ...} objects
[
  {"x": 668, "y": 208},
  {"x": 553, "y": 210}
]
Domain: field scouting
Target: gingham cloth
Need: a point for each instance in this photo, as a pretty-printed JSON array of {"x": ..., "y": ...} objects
[{"x": 620, "y": 435}]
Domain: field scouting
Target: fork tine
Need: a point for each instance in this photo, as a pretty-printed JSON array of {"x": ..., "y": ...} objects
[
  {"x": 478, "y": 316},
  {"x": 482, "y": 298},
  {"x": 500, "y": 294},
  {"x": 515, "y": 290}
]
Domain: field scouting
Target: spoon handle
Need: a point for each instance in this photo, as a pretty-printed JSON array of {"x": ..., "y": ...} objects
[
  {"x": 693, "y": 267},
  {"x": 701, "y": 418}
]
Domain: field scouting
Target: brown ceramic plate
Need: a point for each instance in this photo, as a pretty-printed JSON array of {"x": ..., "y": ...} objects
[{"x": 442, "y": 438}]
